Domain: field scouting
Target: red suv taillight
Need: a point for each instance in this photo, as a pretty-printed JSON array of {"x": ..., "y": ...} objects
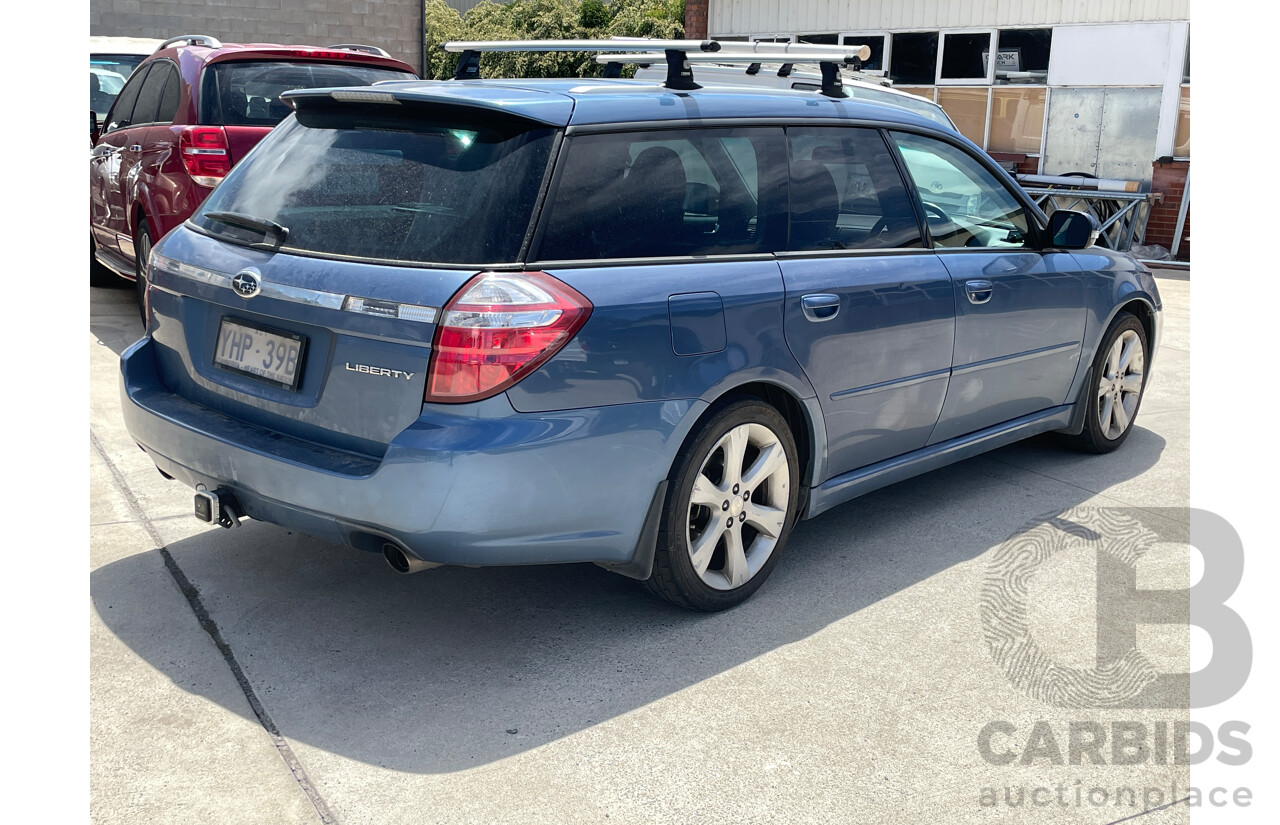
[
  {"x": 204, "y": 153},
  {"x": 497, "y": 329}
]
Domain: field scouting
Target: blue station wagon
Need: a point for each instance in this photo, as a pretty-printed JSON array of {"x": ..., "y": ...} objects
[{"x": 507, "y": 322}]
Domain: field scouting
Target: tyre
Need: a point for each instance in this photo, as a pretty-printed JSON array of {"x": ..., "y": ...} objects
[
  {"x": 141, "y": 252},
  {"x": 1113, "y": 396},
  {"x": 730, "y": 506},
  {"x": 99, "y": 275}
]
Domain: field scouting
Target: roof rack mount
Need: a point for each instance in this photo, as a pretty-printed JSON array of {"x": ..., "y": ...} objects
[
  {"x": 192, "y": 40},
  {"x": 830, "y": 59},
  {"x": 359, "y": 47},
  {"x": 674, "y": 52}
]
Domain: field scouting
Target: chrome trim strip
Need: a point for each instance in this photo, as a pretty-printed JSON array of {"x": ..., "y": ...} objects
[
  {"x": 293, "y": 294},
  {"x": 894, "y": 384},
  {"x": 1016, "y": 357}
]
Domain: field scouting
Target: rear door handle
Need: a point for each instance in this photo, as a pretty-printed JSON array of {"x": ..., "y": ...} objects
[
  {"x": 979, "y": 291},
  {"x": 820, "y": 306},
  {"x": 137, "y": 147}
]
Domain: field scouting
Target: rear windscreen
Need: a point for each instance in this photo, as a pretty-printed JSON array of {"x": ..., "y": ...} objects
[
  {"x": 248, "y": 93},
  {"x": 394, "y": 183}
]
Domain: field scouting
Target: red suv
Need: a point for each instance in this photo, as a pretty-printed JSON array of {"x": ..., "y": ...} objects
[{"x": 187, "y": 114}]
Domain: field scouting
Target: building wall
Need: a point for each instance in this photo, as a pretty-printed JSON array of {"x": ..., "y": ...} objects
[
  {"x": 394, "y": 25},
  {"x": 735, "y": 17}
]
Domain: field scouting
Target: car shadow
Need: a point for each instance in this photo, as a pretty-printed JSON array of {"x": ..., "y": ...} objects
[
  {"x": 457, "y": 668},
  {"x": 113, "y": 316}
]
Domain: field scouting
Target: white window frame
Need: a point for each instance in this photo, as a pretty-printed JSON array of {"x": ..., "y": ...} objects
[{"x": 992, "y": 39}]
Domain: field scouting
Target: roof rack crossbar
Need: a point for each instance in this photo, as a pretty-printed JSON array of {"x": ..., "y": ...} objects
[
  {"x": 193, "y": 40},
  {"x": 674, "y": 52},
  {"x": 832, "y": 55},
  {"x": 581, "y": 45},
  {"x": 359, "y": 47}
]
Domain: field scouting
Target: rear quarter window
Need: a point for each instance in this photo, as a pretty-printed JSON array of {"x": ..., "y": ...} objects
[{"x": 668, "y": 194}]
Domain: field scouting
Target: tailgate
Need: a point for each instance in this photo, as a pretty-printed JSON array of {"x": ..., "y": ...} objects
[{"x": 329, "y": 351}]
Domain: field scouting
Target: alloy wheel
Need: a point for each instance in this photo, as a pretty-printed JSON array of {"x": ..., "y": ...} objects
[{"x": 1120, "y": 387}]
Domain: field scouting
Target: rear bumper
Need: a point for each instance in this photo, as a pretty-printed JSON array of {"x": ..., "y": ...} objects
[{"x": 474, "y": 484}]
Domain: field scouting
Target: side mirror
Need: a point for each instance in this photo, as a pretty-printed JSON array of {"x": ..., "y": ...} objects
[
  {"x": 1073, "y": 230},
  {"x": 93, "y": 128}
]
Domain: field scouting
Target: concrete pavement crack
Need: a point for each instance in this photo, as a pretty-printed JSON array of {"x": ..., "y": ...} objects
[{"x": 207, "y": 623}]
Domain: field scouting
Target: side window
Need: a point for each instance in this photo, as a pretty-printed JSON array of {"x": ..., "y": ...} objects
[
  {"x": 846, "y": 192},
  {"x": 668, "y": 194},
  {"x": 169, "y": 100},
  {"x": 121, "y": 114},
  {"x": 144, "y": 111},
  {"x": 965, "y": 205}
]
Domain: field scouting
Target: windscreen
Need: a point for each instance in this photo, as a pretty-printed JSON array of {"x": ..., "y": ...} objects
[
  {"x": 247, "y": 93},
  {"x": 397, "y": 183}
]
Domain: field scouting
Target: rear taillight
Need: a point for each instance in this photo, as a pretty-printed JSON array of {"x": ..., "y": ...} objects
[
  {"x": 204, "y": 153},
  {"x": 497, "y": 329}
]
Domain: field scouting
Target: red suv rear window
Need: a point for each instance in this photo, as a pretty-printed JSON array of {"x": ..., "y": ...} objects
[{"x": 246, "y": 93}]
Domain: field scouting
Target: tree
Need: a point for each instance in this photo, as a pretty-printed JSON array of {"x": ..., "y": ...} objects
[{"x": 544, "y": 20}]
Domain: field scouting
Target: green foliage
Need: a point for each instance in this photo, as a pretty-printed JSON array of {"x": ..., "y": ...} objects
[{"x": 544, "y": 20}]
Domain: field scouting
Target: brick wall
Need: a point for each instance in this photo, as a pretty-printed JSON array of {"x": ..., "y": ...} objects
[
  {"x": 695, "y": 19},
  {"x": 1170, "y": 180},
  {"x": 394, "y": 25}
]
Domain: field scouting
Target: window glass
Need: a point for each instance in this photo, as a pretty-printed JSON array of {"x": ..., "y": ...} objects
[
  {"x": 1182, "y": 137},
  {"x": 819, "y": 39},
  {"x": 248, "y": 93},
  {"x": 876, "y": 61},
  {"x": 965, "y": 55},
  {"x": 668, "y": 193},
  {"x": 846, "y": 192},
  {"x": 436, "y": 185},
  {"x": 965, "y": 205},
  {"x": 915, "y": 58},
  {"x": 169, "y": 100},
  {"x": 122, "y": 110},
  {"x": 967, "y": 108},
  {"x": 1017, "y": 120},
  {"x": 1023, "y": 55},
  {"x": 144, "y": 111}
]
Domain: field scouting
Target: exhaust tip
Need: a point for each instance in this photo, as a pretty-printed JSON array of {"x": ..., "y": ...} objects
[{"x": 401, "y": 562}]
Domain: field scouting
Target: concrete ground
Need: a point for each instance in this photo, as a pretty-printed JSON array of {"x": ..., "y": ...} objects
[{"x": 258, "y": 675}]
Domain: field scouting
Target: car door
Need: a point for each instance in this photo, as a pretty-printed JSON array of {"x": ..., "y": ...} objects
[
  {"x": 869, "y": 310},
  {"x": 122, "y": 149},
  {"x": 107, "y": 218},
  {"x": 1019, "y": 309}
]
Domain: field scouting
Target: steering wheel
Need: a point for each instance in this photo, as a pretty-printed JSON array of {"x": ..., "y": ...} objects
[{"x": 882, "y": 222}]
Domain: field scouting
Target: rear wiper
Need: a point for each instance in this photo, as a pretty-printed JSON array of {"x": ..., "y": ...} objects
[{"x": 266, "y": 227}]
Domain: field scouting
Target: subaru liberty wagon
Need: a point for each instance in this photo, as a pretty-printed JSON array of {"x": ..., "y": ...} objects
[{"x": 506, "y": 322}]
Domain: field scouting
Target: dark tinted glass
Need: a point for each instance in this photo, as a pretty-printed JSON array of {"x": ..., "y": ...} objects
[
  {"x": 966, "y": 55},
  {"x": 122, "y": 110},
  {"x": 915, "y": 58},
  {"x": 248, "y": 93},
  {"x": 144, "y": 111},
  {"x": 169, "y": 100},
  {"x": 425, "y": 186},
  {"x": 846, "y": 192},
  {"x": 668, "y": 193}
]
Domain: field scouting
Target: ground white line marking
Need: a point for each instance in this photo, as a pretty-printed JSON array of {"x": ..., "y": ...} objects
[{"x": 206, "y": 622}]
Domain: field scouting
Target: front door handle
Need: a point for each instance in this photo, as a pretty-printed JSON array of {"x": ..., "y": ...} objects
[
  {"x": 979, "y": 291},
  {"x": 820, "y": 306},
  {"x": 137, "y": 147}
]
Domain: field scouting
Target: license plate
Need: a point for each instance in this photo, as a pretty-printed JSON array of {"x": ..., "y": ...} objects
[{"x": 270, "y": 354}]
